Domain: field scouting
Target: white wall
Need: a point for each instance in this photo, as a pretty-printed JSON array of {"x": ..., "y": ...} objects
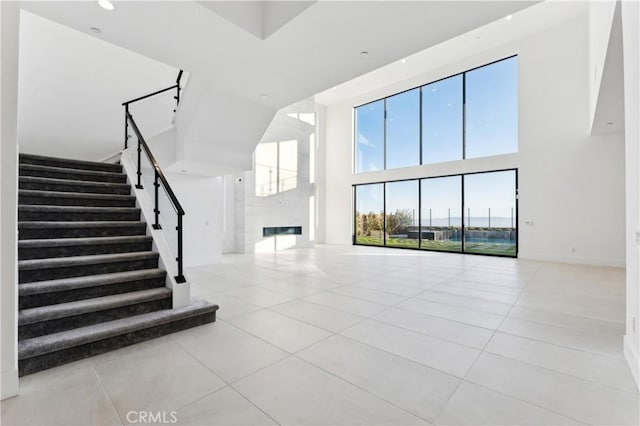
[
  {"x": 571, "y": 185},
  {"x": 200, "y": 197},
  {"x": 72, "y": 86},
  {"x": 631, "y": 35},
  {"x": 9, "y": 24}
]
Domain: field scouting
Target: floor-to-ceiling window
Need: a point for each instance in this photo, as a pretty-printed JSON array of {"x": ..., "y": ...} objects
[
  {"x": 469, "y": 115},
  {"x": 469, "y": 213}
]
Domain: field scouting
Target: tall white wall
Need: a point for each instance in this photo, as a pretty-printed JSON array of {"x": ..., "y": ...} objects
[
  {"x": 9, "y": 24},
  {"x": 571, "y": 185},
  {"x": 631, "y": 35}
]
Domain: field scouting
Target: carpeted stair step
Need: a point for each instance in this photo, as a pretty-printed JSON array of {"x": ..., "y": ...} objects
[
  {"x": 69, "y": 164},
  {"x": 67, "y": 185},
  {"x": 51, "y": 292},
  {"x": 79, "y": 213},
  {"x": 67, "y": 267},
  {"x": 70, "y": 174},
  {"x": 54, "y": 198},
  {"x": 50, "y": 350},
  {"x": 67, "y": 247},
  {"x": 47, "y": 230},
  {"x": 81, "y": 313}
]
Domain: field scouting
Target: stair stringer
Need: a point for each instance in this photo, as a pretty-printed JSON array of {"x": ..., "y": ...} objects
[{"x": 181, "y": 291}]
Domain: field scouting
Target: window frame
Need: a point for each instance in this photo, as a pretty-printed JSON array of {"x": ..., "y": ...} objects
[
  {"x": 421, "y": 127},
  {"x": 462, "y": 239}
]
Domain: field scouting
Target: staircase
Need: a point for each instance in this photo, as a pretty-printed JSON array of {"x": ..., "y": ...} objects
[{"x": 88, "y": 280}]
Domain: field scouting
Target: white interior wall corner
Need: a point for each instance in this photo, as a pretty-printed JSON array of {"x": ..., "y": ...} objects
[
  {"x": 631, "y": 46},
  {"x": 10, "y": 30}
]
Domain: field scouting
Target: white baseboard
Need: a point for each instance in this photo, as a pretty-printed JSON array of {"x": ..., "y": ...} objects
[
  {"x": 9, "y": 386},
  {"x": 632, "y": 358}
]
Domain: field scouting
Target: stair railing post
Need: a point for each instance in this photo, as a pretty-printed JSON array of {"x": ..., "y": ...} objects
[
  {"x": 180, "y": 277},
  {"x": 139, "y": 185},
  {"x": 156, "y": 209},
  {"x": 126, "y": 126}
]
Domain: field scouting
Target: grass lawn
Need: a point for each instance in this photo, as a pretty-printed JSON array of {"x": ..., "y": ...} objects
[{"x": 452, "y": 246}]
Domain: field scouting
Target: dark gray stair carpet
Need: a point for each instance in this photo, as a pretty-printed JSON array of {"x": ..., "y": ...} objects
[
  {"x": 66, "y": 247},
  {"x": 56, "y": 198},
  {"x": 43, "y": 230},
  {"x": 75, "y": 266},
  {"x": 76, "y": 213},
  {"x": 65, "y": 316},
  {"x": 70, "y": 174},
  {"x": 41, "y": 293},
  {"x": 89, "y": 281},
  {"x": 50, "y": 350},
  {"x": 68, "y": 163},
  {"x": 67, "y": 185}
]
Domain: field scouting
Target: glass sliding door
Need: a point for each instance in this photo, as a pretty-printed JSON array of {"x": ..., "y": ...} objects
[
  {"x": 403, "y": 129},
  {"x": 490, "y": 213},
  {"x": 369, "y": 155},
  {"x": 441, "y": 213},
  {"x": 401, "y": 210},
  {"x": 369, "y": 214}
]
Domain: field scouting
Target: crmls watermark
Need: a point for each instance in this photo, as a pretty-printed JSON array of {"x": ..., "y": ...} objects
[{"x": 152, "y": 417}]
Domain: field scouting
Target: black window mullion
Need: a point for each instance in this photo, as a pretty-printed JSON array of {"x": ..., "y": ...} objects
[
  {"x": 517, "y": 210},
  {"x": 355, "y": 215},
  {"x": 464, "y": 116},
  {"x": 420, "y": 126},
  {"x": 384, "y": 153},
  {"x": 462, "y": 227},
  {"x": 420, "y": 213},
  {"x": 384, "y": 214}
]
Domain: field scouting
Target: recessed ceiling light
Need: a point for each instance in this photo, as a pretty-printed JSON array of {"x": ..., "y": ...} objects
[
  {"x": 263, "y": 96},
  {"x": 404, "y": 61},
  {"x": 106, "y": 4},
  {"x": 95, "y": 30},
  {"x": 610, "y": 123},
  {"x": 508, "y": 18},
  {"x": 183, "y": 171},
  {"x": 335, "y": 87},
  {"x": 364, "y": 53}
]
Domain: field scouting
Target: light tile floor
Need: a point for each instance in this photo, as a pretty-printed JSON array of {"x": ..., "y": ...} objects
[{"x": 366, "y": 336}]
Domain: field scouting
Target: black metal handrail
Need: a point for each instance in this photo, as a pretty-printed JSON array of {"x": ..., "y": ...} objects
[{"x": 159, "y": 178}]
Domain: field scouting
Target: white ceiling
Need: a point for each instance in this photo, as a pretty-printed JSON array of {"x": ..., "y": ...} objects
[
  {"x": 525, "y": 22},
  {"x": 317, "y": 49}
]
